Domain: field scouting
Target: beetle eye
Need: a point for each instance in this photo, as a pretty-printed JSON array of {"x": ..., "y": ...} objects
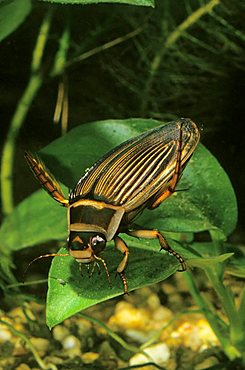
[{"x": 98, "y": 243}]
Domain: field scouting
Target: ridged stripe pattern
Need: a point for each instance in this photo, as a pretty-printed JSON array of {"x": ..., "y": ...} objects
[{"x": 132, "y": 173}]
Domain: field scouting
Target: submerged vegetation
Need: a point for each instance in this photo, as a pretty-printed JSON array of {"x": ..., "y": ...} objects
[{"x": 107, "y": 63}]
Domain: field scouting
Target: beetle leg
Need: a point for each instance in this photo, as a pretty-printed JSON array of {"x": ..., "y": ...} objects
[
  {"x": 176, "y": 176},
  {"x": 155, "y": 234},
  {"x": 45, "y": 178},
  {"x": 122, "y": 247},
  {"x": 80, "y": 266}
]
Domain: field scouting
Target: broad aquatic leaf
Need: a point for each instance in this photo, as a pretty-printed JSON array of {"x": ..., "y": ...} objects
[
  {"x": 86, "y": 2},
  {"x": 12, "y": 14},
  {"x": 37, "y": 219},
  {"x": 69, "y": 292},
  {"x": 204, "y": 200}
]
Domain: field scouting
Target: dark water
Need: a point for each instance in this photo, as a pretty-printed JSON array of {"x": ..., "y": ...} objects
[{"x": 108, "y": 85}]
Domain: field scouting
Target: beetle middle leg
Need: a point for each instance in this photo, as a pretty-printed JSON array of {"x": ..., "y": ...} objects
[
  {"x": 155, "y": 234},
  {"x": 122, "y": 247}
]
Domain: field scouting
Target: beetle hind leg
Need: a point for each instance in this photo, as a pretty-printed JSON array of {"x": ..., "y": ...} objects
[
  {"x": 155, "y": 234},
  {"x": 122, "y": 247}
]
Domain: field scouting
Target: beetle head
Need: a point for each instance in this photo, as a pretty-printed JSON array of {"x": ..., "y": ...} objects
[{"x": 85, "y": 246}]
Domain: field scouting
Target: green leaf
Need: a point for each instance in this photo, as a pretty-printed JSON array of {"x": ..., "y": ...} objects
[
  {"x": 205, "y": 200},
  {"x": 37, "y": 219},
  {"x": 12, "y": 14},
  {"x": 236, "y": 267},
  {"x": 209, "y": 262},
  {"x": 69, "y": 292},
  {"x": 85, "y": 2}
]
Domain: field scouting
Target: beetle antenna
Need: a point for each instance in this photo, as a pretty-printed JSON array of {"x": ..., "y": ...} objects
[
  {"x": 105, "y": 267},
  {"x": 43, "y": 256}
]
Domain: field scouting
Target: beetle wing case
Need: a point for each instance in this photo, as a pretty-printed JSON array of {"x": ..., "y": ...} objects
[{"x": 135, "y": 171}]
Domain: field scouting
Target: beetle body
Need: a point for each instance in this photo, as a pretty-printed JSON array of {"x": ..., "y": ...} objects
[{"x": 139, "y": 173}]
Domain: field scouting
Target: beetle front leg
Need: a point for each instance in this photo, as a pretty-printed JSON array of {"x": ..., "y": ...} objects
[
  {"x": 122, "y": 247},
  {"x": 155, "y": 234}
]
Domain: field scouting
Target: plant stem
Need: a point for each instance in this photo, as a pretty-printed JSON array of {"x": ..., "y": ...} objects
[
  {"x": 226, "y": 299},
  {"x": 116, "y": 337},
  {"x": 19, "y": 116},
  {"x": 103, "y": 47},
  {"x": 169, "y": 42},
  {"x": 29, "y": 344},
  {"x": 214, "y": 321},
  {"x": 215, "y": 276}
]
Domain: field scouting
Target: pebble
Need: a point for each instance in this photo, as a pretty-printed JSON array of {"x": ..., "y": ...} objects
[
  {"x": 60, "y": 332},
  {"x": 208, "y": 363},
  {"x": 18, "y": 315},
  {"x": 19, "y": 348},
  {"x": 5, "y": 334},
  {"x": 72, "y": 346},
  {"x": 89, "y": 357},
  {"x": 195, "y": 334},
  {"x": 162, "y": 314},
  {"x": 42, "y": 345},
  {"x": 23, "y": 367},
  {"x": 138, "y": 336},
  {"x": 153, "y": 302},
  {"x": 139, "y": 323},
  {"x": 127, "y": 316},
  {"x": 53, "y": 360},
  {"x": 159, "y": 353}
]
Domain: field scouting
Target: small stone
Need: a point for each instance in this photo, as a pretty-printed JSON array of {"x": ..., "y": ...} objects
[
  {"x": 18, "y": 315},
  {"x": 194, "y": 333},
  {"x": 153, "y": 302},
  {"x": 129, "y": 317},
  {"x": 168, "y": 288},
  {"x": 159, "y": 353},
  {"x": 5, "y": 334},
  {"x": 60, "y": 332},
  {"x": 140, "y": 359},
  {"x": 42, "y": 345},
  {"x": 108, "y": 357},
  {"x": 7, "y": 362},
  {"x": 54, "y": 360},
  {"x": 19, "y": 348},
  {"x": 162, "y": 314},
  {"x": 72, "y": 346},
  {"x": 208, "y": 363},
  {"x": 83, "y": 324},
  {"x": 23, "y": 367},
  {"x": 89, "y": 357},
  {"x": 86, "y": 329},
  {"x": 137, "y": 335}
]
